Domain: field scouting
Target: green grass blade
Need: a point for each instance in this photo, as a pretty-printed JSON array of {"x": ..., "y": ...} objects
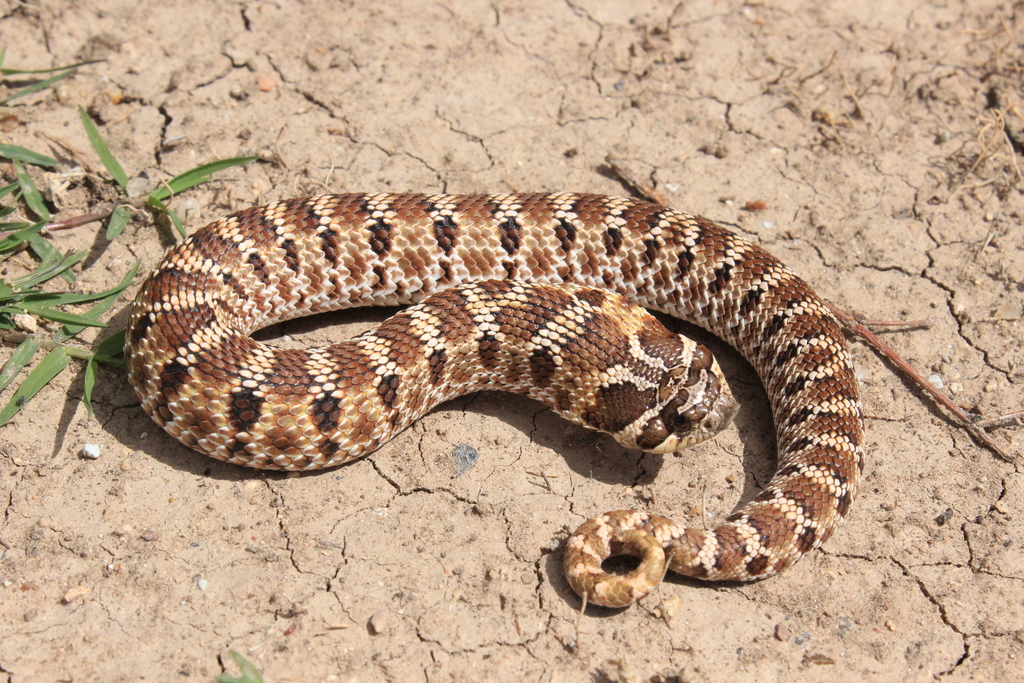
[
  {"x": 250, "y": 674},
  {"x": 51, "y": 255},
  {"x": 160, "y": 206},
  {"x": 91, "y": 368},
  {"x": 196, "y": 176},
  {"x": 14, "y": 240},
  {"x": 112, "y": 165},
  {"x": 50, "y": 271},
  {"x": 107, "y": 352},
  {"x": 119, "y": 218},
  {"x": 111, "y": 349},
  {"x": 40, "y": 376},
  {"x": 59, "y": 316},
  {"x": 52, "y": 69},
  {"x": 21, "y": 357},
  {"x": 110, "y": 297},
  {"x": 30, "y": 193},
  {"x": 26, "y": 155},
  {"x": 35, "y": 87},
  {"x": 7, "y": 189}
]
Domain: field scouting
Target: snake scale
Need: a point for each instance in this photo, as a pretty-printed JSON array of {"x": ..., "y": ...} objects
[{"x": 201, "y": 376}]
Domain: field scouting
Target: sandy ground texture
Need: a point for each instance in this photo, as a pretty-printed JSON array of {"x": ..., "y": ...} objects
[{"x": 874, "y": 147}]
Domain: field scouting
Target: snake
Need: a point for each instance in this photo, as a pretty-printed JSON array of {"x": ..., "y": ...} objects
[{"x": 532, "y": 293}]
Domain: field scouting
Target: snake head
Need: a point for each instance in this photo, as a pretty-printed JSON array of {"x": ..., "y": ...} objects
[{"x": 693, "y": 404}]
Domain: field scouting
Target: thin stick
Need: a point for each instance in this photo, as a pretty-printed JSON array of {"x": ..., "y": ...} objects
[
  {"x": 645, "y": 190},
  {"x": 1000, "y": 420},
  {"x": 579, "y": 619},
  {"x": 78, "y": 221},
  {"x": 960, "y": 416}
]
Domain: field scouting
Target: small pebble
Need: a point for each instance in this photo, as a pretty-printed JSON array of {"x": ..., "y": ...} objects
[
  {"x": 201, "y": 584},
  {"x": 90, "y": 451},
  {"x": 380, "y": 622},
  {"x": 76, "y": 592},
  {"x": 265, "y": 83},
  {"x": 465, "y": 457},
  {"x": 26, "y": 322},
  {"x": 936, "y": 381},
  {"x": 150, "y": 535},
  {"x": 782, "y": 632},
  {"x": 991, "y": 386},
  {"x": 138, "y": 186}
]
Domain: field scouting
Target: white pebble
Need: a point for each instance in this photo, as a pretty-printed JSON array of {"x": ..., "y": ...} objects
[
  {"x": 201, "y": 583},
  {"x": 937, "y": 381},
  {"x": 767, "y": 224},
  {"x": 91, "y": 451},
  {"x": 26, "y": 322}
]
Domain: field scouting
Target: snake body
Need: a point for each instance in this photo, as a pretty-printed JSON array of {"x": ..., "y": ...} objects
[{"x": 207, "y": 383}]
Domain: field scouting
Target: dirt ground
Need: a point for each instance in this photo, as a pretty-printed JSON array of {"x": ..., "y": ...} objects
[{"x": 875, "y": 147}]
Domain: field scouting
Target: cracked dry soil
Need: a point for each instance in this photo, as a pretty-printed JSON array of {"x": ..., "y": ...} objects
[{"x": 884, "y": 141}]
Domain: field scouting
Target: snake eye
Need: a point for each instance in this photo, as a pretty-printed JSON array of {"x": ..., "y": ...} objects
[{"x": 676, "y": 416}]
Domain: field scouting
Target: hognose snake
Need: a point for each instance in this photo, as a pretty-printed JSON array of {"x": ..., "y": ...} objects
[{"x": 208, "y": 384}]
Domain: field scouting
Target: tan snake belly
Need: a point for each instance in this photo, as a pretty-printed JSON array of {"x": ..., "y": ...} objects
[{"x": 201, "y": 377}]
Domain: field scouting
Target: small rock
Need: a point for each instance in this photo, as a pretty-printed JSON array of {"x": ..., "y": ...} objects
[
  {"x": 76, "y": 592},
  {"x": 782, "y": 632},
  {"x": 8, "y": 123},
  {"x": 90, "y": 451},
  {"x": 465, "y": 457},
  {"x": 1009, "y": 309},
  {"x": 380, "y": 622},
  {"x": 265, "y": 83},
  {"x": 936, "y": 381},
  {"x": 150, "y": 535},
  {"x": 138, "y": 186},
  {"x": 201, "y": 584},
  {"x": 26, "y": 322}
]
